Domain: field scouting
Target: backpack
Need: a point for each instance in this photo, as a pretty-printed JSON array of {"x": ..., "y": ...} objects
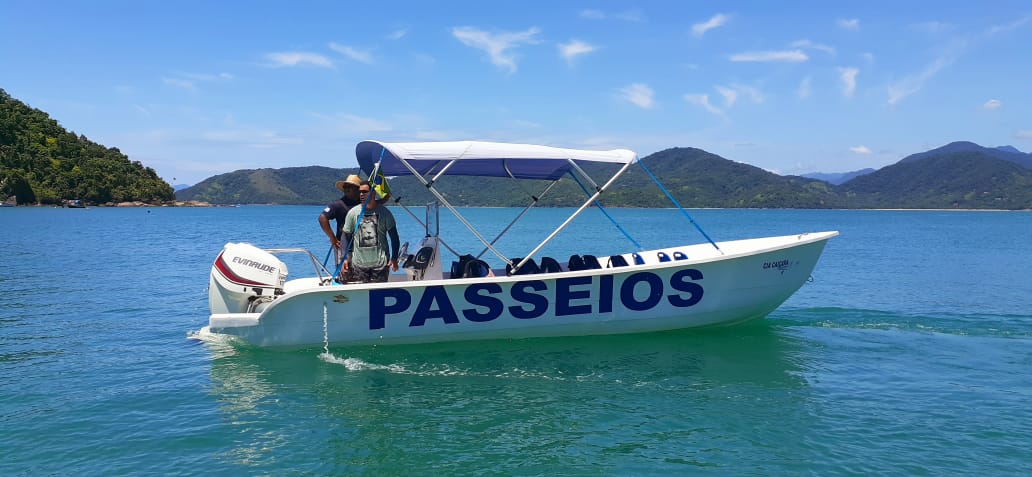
[
  {"x": 550, "y": 265},
  {"x": 528, "y": 268},
  {"x": 576, "y": 263},
  {"x": 591, "y": 262},
  {"x": 458, "y": 269},
  {"x": 617, "y": 261}
]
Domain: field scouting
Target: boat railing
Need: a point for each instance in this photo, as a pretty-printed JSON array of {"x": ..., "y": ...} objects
[{"x": 324, "y": 274}]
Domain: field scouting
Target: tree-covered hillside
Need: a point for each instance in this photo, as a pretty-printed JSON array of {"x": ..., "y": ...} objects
[
  {"x": 965, "y": 180},
  {"x": 696, "y": 178},
  {"x": 41, "y": 162}
]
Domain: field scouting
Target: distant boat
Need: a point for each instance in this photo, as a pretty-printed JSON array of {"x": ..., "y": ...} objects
[
  {"x": 75, "y": 204},
  {"x": 10, "y": 202}
]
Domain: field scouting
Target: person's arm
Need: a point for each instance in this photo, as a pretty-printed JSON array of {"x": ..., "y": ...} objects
[
  {"x": 347, "y": 235},
  {"x": 325, "y": 224},
  {"x": 395, "y": 247}
]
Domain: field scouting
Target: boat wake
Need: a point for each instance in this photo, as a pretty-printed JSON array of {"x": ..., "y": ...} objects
[
  {"x": 359, "y": 365},
  {"x": 961, "y": 324},
  {"x": 221, "y": 345}
]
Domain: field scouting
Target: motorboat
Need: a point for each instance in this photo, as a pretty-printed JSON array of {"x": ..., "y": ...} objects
[{"x": 449, "y": 295}]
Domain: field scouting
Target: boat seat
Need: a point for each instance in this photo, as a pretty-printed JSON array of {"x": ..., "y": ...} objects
[
  {"x": 591, "y": 262},
  {"x": 679, "y": 255},
  {"x": 617, "y": 261},
  {"x": 529, "y": 268},
  {"x": 476, "y": 269},
  {"x": 469, "y": 266},
  {"x": 420, "y": 261},
  {"x": 550, "y": 265},
  {"x": 576, "y": 263},
  {"x": 662, "y": 256}
]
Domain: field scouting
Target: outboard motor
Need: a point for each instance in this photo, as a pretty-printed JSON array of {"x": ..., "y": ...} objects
[{"x": 244, "y": 279}]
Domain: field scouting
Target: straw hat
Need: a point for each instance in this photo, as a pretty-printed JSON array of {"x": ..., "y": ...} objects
[{"x": 351, "y": 181}]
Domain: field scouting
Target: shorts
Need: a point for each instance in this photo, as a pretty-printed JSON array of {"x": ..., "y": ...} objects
[{"x": 358, "y": 274}]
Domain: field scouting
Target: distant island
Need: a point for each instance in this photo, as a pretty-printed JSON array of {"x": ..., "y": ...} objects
[
  {"x": 959, "y": 175},
  {"x": 43, "y": 164}
]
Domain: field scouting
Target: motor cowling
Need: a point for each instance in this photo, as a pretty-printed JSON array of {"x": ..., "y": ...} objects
[{"x": 244, "y": 277}]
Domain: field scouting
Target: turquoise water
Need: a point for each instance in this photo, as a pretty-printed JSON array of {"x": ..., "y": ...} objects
[{"x": 909, "y": 354}]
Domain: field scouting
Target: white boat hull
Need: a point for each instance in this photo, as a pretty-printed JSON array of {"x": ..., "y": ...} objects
[{"x": 745, "y": 280}]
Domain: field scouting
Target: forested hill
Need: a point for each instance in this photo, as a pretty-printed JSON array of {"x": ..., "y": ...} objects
[
  {"x": 42, "y": 163},
  {"x": 973, "y": 178},
  {"x": 695, "y": 177}
]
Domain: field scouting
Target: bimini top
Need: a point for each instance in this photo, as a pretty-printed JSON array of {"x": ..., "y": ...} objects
[{"x": 477, "y": 158}]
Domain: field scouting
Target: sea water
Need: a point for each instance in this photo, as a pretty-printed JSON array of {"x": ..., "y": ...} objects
[{"x": 909, "y": 353}]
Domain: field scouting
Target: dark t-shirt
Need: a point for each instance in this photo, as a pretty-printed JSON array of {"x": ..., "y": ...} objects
[{"x": 338, "y": 210}]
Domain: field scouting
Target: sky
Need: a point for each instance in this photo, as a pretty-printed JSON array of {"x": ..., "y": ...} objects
[{"x": 194, "y": 89}]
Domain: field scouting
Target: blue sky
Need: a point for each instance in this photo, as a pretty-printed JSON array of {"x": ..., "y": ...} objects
[{"x": 198, "y": 88}]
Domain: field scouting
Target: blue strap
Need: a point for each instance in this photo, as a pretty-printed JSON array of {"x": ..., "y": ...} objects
[
  {"x": 603, "y": 209},
  {"x": 672, "y": 199}
]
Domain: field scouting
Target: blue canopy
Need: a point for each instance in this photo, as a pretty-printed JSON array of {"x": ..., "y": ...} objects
[{"x": 478, "y": 158}]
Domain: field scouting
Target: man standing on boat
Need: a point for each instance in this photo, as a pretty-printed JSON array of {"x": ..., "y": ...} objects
[
  {"x": 367, "y": 229},
  {"x": 338, "y": 211}
]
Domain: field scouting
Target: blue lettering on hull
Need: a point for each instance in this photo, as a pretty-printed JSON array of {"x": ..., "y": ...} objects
[{"x": 573, "y": 296}]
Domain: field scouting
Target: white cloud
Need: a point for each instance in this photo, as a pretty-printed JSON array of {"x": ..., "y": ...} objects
[
  {"x": 1010, "y": 26},
  {"x": 180, "y": 83},
  {"x": 868, "y": 57},
  {"x": 932, "y": 27},
  {"x": 730, "y": 96},
  {"x": 397, "y": 34},
  {"x": 860, "y": 150},
  {"x": 353, "y": 123},
  {"x": 992, "y": 104},
  {"x": 848, "y": 76},
  {"x": 813, "y": 46},
  {"x": 852, "y": 24},
  {"x": 298, "y": 58},
  {"x": 1023, "y": 134},
  {"x": 804, "y": 88},
  {"x": 786, "y": 56},
  {"x": 754, "y": 94},
  {"x": 255, "y": 139},
  {"x": 913, "y": 83},
  {"x": 361, "y": 56},
  {"x": 496, "y": 46},
  {"x": 628, "y": 16},
  {"x": 715, "y": 21},
  {"x": 732, "y": 92},
  {"x": 639, "y": 94},
  {"x": 574, "y": 48},
  {"x": 702, "y": 100}
]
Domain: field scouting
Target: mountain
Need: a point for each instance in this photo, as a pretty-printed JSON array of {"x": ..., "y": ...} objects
[
  {"x": 43, "y": 163},
  {"x": 291, "y": 185},
  {"x": 837, "y": 178},
  {"x": 179, "y": 187},
  {"x": 1008, "y": 149},
  {"x": 948, "y": 177},
  {"x": 695, "y": 177},
  {"x": 1006, "y": 153}
]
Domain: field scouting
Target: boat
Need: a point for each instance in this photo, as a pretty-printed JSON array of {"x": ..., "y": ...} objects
[
  {"x": 702, "y": 284},
  {"x": 75, "y": 204}
]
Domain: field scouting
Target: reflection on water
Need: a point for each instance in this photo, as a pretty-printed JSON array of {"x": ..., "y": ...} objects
[{"x": 662, "y": 396}]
